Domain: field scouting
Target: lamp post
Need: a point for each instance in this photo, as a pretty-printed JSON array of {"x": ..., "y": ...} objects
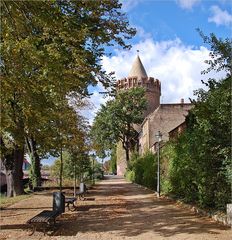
[{"x": 159, "y": 137}]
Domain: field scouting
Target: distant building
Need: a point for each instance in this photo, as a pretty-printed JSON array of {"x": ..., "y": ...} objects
[
  {"x": 25, "y": 167},
  {"x": 157, "y": 117}
]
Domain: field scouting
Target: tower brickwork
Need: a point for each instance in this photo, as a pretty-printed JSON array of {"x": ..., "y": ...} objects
[{"x": 138, "y": 78}]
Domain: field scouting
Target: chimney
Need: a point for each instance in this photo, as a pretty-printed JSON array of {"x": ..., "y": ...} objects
[{"x": 182, "y": 100}]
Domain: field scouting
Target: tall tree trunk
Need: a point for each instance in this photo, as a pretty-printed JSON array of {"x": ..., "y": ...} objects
[
  {"x": 126, "y": 146},
  {"x": 75, "y": 181},
  {"x": 61, "y": 168},
  {"x": 127, "y": 154},
  {"x": 35, "y": 173},
  {"x": 14, "y": 173}
]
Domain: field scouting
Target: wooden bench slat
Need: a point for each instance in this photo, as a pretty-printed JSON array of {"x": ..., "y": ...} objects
[{"x": 44, "y": 216}]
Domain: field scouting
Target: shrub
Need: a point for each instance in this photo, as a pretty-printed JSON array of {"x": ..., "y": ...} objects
[
  {"x": 142, "y": 170},
  {"x": 130, "y": 176}
]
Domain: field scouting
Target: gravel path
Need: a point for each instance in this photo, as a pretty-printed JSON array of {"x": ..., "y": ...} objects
[{"x": 114, "y": 209}]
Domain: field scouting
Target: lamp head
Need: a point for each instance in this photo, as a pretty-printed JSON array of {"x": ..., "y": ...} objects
[{"x": 159, "y": 136}]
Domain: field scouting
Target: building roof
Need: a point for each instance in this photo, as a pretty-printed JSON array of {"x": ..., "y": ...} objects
[{"x": 138, "y": 69}]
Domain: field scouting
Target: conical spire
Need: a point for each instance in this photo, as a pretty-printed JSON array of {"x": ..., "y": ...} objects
[{"x": 137, "y": 69}]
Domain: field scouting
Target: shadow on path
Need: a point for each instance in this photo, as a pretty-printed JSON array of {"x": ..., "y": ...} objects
[
  {"x": 129, "y": 211},
  {"x": 114, "y": 209}
]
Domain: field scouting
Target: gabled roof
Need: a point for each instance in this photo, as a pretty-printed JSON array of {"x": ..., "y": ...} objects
[{"x": 138, "y": 69}]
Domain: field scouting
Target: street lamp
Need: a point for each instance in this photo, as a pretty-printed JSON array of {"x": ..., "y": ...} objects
[{"x": 159, "y": 137}]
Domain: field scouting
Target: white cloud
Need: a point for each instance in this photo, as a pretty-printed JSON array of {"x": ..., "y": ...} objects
[
  {"x": 128, "y": 5},
  {"x": 187, "y": 4},
  {"x": 220, "y": 17},
  {"x": 176, "y": 65}
]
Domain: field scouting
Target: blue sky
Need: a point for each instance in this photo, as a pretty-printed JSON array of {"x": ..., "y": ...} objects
[
  {"x": 170, "y": 47},
  {"x": 165, "y": 20}
]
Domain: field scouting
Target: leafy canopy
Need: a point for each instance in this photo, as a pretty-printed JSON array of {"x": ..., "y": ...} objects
[{"x": 116, "y": 120}]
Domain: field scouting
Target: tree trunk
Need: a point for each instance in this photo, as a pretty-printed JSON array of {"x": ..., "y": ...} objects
[
  {"x": 14, "y": 172},
  {"x": 75, "y": 181},
  {"x": 35, "y": 173},
  {"x": 126, "y": 146},
  {"x": 61, "y": 168},
  {"x": 10, "y": 183},
  {"x": 127, "y": 154}
]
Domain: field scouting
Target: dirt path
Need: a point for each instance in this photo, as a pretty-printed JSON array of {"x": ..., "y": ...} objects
[{"x": 114, "y": 209}]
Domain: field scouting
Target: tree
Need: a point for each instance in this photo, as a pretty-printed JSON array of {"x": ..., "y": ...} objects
[
  {"x": 51, "y": 50},
  {"x": 220, "y": 55},
  {"x": 200, "y": 162},
  {"x": 116, "y": 121},
  {"x": 113, "y": 161}
]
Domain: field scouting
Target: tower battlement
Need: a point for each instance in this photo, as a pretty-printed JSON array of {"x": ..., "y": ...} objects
[{"x": 148, "y": 83}]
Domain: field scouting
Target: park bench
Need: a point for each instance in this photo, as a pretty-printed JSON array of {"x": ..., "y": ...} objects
[
  {"x": 70, "y": 200},
  {"x": 82, "y": 191},
  {"x": 80, "y": 194},
  {"x": 47, "y": 218}
]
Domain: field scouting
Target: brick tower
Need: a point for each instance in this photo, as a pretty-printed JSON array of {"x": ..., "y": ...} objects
[{"x": 138, "y": 78}]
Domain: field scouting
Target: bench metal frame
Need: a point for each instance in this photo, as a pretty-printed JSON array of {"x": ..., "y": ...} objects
[
  {"x": 70, "y": 200},
  {"x": 45, "y": 219}
]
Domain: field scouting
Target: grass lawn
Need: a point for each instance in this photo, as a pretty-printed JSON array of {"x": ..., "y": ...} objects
[{"x": 5, "y": 202}]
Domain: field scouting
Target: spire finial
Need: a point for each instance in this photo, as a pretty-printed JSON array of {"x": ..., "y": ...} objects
[{"x": 137, "y": 52}]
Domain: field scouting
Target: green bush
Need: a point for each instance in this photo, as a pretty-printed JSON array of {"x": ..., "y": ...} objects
[
  {"x": 143, "y": 170},
  {"x": 194, "y": 175},
  {"x": 149, "y": 162},
  {"x": 130, "y": 176}
]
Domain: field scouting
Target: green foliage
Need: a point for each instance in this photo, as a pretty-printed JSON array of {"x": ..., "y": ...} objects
[
  {"x": 143, "y": 170},
  {"x": 130, "y": 175},
  {"x": 50, "y": 53},
  {"x": 98, "y": 173},
  {"x": 180, "y": 176},
  {"x": 167, "y": 154},
  {"x": 113, "y": 161},
  {"x": 220, "y": 55},
  {"x": 115, "y": 121},
  {"x": 199, "y": 162},
  {"x": 78, "y": 164}
]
